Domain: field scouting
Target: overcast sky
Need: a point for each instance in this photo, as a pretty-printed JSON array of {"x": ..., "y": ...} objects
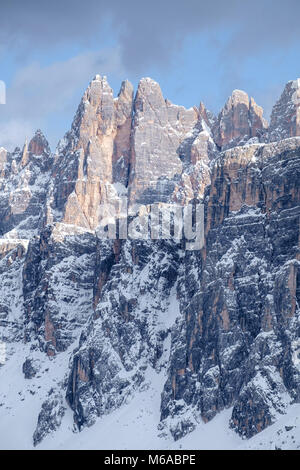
[{"x": 197, "y": 50}]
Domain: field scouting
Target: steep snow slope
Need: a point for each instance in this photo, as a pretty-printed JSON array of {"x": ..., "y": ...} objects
[{"x": 132, "y": 426}]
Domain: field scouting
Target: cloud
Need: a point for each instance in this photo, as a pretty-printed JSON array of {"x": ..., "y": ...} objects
[
  {"x": 38, "y": 92},
  {"x": 149, "y": 32},
  {"x": 132, "y": 39}
]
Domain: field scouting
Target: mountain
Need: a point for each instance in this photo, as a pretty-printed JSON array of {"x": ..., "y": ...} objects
[
  {"x": 95, "y": 328},
  {"x": 285, "y": 118},
  {"x": 240, "y": 119}
]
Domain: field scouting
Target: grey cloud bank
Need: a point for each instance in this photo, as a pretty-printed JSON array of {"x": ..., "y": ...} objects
[
  {"x": 127, "y": 39},
  {"x": 148, "y": 31}
]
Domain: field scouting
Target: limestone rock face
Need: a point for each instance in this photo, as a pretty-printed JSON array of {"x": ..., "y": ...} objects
[
  {"x": 158, "y": 131},
  {"x": 24, "y": 181},
  {"x": 93, "y": 156},
  {"x": 3, "y": 160},
  {"x": 285, "y": 117},
  {"x": 58, "y": 268},
  {"x": 39, "y": 145},
  {"x": 129, "y": 331},
  {"x": 198, "y": 151},
  {"x": 12, "y": 256},
  {"x": 240, "y": 120},
  {"x": 98, "y": 321},
  {"x": 50, "y": 416},
  {"x": 140, "y": 147},
  {"x": 240, "y": 296},
  {"x": 235, "y": 322},
  {"x": 29, "y": 369}
]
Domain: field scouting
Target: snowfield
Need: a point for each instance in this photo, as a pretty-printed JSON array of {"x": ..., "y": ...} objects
[{"x": 133, "y": 426}]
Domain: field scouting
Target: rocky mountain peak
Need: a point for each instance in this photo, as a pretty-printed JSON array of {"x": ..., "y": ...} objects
[
  {"x": 124, "y": 103},
  {"x": 210, "y": 329},
  {"x": 3, "y": 158},
  {"x": 98, "y": 86},
  {"x": 96, "y": 153},
  {"x": 206, "y": 115},
  {"x": 149, "y": 96},
  {"x": 159, "y": 130},
  {"x": 285, "y": 117},
  {"x": 237, "y": 96},
  {"x": 240, "y": 119},
  {"x": 126, "y": 89},
  {"x": 39, "y": 145}
]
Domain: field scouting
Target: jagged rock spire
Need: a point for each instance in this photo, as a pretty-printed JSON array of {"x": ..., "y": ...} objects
[
  {"x": 240, "y": 119},
  {"x": 3, "y": 159},
  {"x": 285, "y": 117},
  {"x": 39, "y": 145},
  {"x": 25, "y": 153},
  {"x": 95, "y": 154},
  {"x": 159, "y": 129}
]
